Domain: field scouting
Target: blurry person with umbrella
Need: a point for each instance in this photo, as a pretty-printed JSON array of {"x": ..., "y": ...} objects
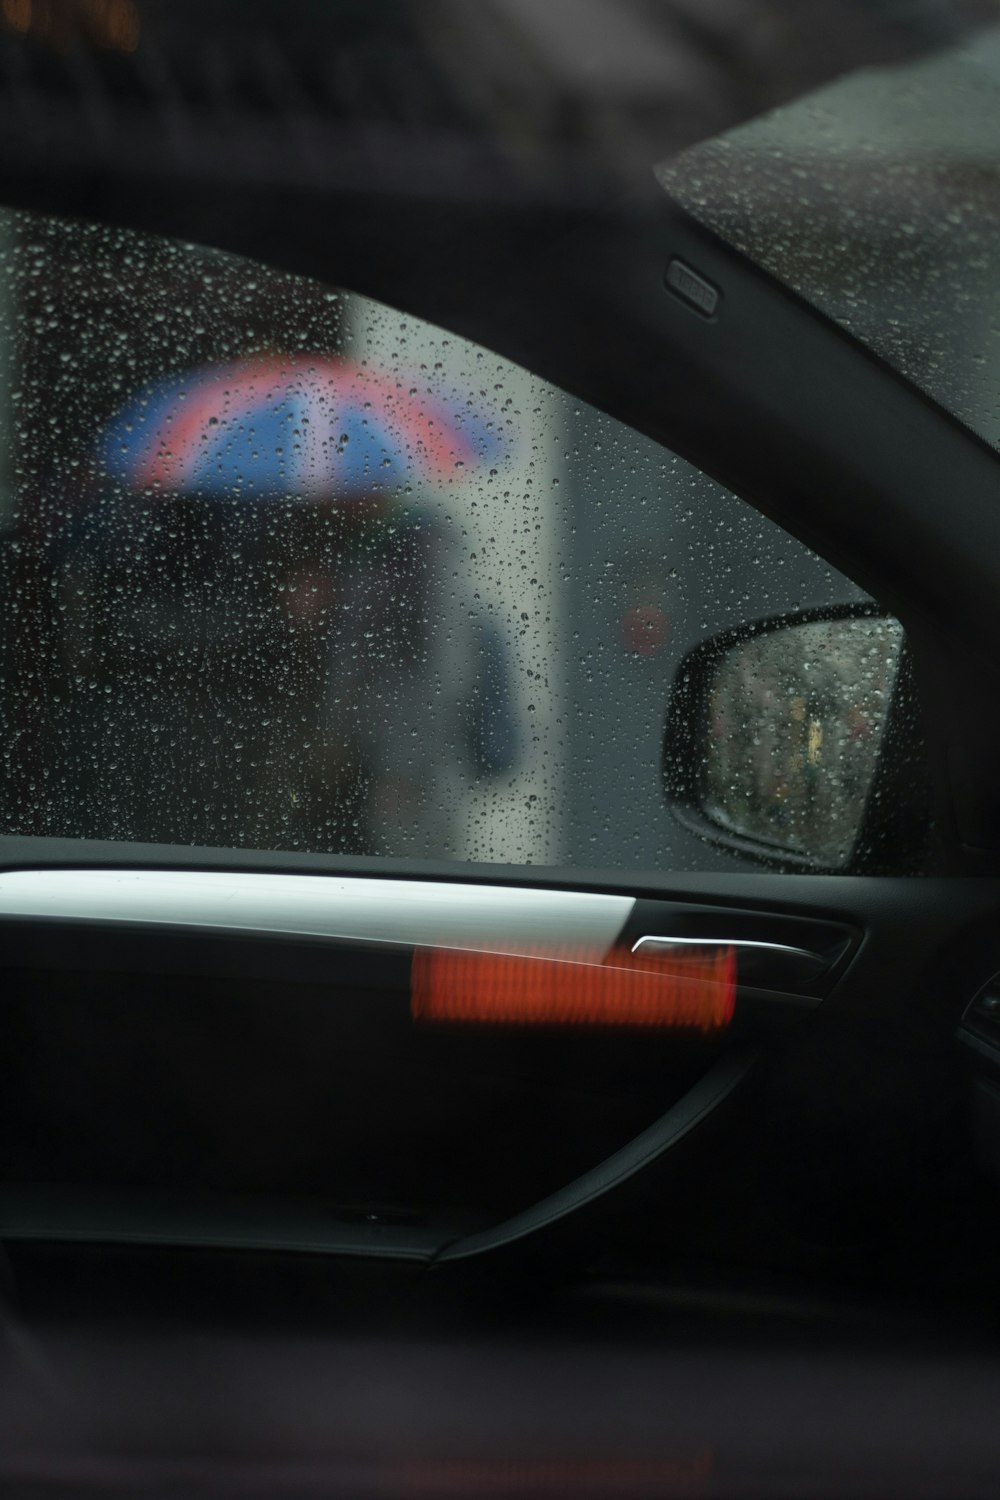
[{"x": 260, "y": 620}]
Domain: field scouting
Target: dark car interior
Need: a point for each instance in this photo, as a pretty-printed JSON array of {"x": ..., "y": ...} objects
[
  {"x": 233, "y": 1168},
  {"x": 262, "y": 1233}
]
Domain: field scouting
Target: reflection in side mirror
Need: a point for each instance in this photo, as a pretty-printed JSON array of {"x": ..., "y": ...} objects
[{"x": 791, "y": 720}]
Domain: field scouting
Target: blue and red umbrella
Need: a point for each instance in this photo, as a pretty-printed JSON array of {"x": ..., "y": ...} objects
[{"x": 271, "y": 427}]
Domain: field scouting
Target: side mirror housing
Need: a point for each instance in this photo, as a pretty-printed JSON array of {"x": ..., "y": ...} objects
[{"x": 775, "y": 731}]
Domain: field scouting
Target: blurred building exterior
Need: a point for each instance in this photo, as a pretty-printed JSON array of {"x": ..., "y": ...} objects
[{"x": 434, "y": 95}]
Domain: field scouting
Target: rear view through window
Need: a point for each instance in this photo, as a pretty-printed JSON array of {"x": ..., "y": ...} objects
[{"x": 284, "y": 569}]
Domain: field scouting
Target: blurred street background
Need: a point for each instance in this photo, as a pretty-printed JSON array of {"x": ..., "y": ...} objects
[{"x": 220, "y": 642}]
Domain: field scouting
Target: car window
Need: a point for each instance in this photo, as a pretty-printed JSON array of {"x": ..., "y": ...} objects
[
  {"x": 875, "y": 198},
  {"x": 287, "y": 569}
]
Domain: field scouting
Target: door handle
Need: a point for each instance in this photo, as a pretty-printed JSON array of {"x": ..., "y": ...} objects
[{"x": 779, "y": 966}]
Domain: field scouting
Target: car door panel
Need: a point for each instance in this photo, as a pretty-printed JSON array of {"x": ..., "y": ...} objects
[{"x": 256, "y": 1077}]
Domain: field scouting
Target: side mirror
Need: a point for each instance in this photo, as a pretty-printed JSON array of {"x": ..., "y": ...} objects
[{"x": 773, "y": 734}]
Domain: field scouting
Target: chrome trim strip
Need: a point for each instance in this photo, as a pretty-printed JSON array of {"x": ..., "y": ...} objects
[
  {"x": 741, "y": 945},
  {"x": 408, "y": 912}
]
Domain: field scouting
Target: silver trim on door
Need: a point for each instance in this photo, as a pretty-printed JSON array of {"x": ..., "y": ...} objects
[
  {"x": 741, "y": 945},
  {"x": 446, "y": 913}
]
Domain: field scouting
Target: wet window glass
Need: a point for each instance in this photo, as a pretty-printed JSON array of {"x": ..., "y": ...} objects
[
  {"x": 284, "y": 569},
  {"x": 876, "y": 199}
]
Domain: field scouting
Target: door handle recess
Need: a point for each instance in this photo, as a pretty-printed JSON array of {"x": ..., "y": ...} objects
[{"x": 778, "y": 966}]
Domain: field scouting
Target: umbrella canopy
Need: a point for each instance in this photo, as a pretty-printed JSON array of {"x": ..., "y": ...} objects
[{"x": 274, "y": 427}]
